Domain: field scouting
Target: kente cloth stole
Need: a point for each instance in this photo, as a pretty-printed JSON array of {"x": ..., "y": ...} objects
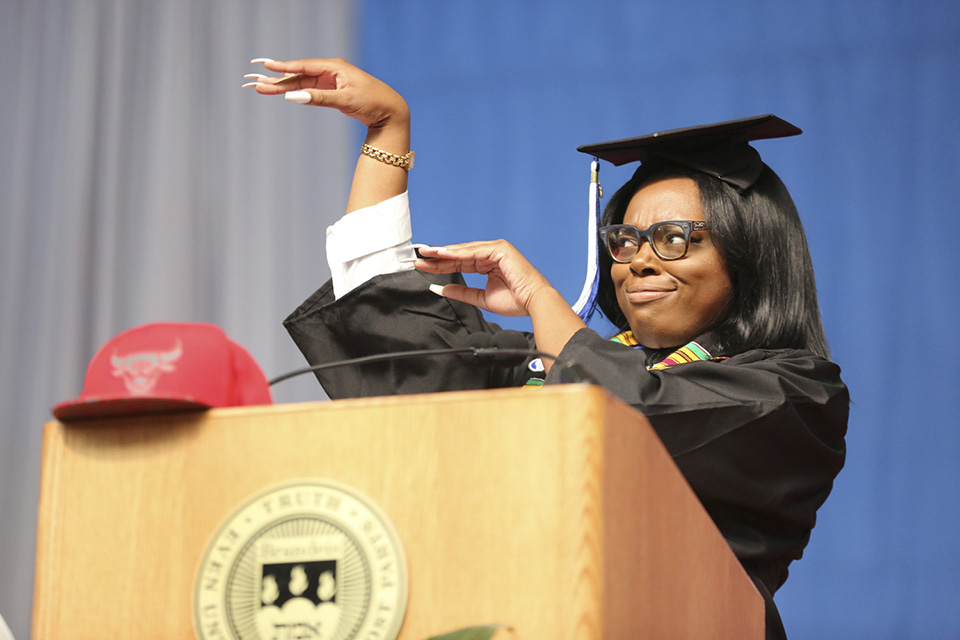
[{"x": 690, "y": 352}]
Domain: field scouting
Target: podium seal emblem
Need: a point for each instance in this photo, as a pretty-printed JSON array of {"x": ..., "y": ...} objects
[{"x": 310, "y": 560}]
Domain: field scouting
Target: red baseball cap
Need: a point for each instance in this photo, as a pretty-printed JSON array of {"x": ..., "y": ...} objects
[{"x": 165, "y": 367}]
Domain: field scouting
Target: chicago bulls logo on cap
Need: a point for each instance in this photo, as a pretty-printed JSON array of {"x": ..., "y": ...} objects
[{"x": 140, "y": 371}]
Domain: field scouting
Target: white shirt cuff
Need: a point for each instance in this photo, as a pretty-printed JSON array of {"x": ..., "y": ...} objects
[{"x": 369, "y": 242}]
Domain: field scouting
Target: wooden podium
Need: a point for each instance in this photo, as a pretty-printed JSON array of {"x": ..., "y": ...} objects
[{"x": 555, "y": 511}]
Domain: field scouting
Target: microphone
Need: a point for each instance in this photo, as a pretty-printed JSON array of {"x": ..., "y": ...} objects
[
  {"x": 503, "y": 348},
  {"x": 509, "y": 348}
]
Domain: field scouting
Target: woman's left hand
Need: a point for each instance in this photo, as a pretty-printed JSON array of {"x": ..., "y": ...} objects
[
  {"x": 512, "y": 282},
  {"x": 514, "y": 288}
]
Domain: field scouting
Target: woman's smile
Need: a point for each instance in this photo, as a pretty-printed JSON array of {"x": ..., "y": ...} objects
[{"x": 647, "y": 293}]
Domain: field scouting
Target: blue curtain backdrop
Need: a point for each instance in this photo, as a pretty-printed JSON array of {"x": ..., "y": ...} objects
[{"x": 502, "y": 92}]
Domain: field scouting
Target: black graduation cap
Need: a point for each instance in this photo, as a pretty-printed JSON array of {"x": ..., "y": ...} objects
[{"x": 720, "y": 150}]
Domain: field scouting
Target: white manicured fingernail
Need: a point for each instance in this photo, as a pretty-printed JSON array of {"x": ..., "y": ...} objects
[
  {"x": 297, "y": 96},
  {"x": 437, "y": 289},
  {"x": 256, "y": 60},
  {"x": 408, "y": 260},
  {"x": 249, "y": 84},
  {"x": 258, "y": 76}
]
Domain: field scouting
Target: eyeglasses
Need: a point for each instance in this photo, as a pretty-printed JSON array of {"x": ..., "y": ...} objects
[{"x": 670, "y": 240}]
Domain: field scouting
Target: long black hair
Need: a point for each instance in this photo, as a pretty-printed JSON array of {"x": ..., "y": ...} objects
[{"x": 761, "y": 240}]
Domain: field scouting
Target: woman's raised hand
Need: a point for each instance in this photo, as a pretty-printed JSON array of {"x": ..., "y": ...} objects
[{"x": 337, "y": 84}]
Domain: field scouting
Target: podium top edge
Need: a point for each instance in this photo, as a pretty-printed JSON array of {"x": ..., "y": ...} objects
[{"x": 586, "y": 392}]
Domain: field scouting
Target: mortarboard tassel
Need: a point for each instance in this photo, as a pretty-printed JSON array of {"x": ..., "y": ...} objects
[{"x": 587, "y": 303}]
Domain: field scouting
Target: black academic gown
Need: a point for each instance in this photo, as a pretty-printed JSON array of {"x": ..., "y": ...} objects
[{"x": 759, "y": 436}]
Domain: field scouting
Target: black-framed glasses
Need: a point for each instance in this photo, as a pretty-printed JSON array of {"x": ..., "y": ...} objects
[{"x": 670, "y": 240}]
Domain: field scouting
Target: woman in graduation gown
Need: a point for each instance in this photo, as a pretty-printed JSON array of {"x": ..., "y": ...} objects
[{"x": 704, "y": 268}]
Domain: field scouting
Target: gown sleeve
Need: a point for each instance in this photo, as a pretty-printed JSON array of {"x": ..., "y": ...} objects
[{"x": 390, "y": 313}]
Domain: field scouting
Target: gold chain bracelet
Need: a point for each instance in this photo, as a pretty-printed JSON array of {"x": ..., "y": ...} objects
[{"x": 405, "y": 161}]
